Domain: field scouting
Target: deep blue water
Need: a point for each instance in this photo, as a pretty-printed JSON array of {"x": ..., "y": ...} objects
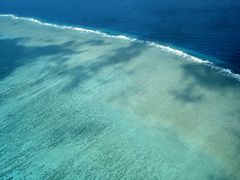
[{"x": 207, "y": 27}]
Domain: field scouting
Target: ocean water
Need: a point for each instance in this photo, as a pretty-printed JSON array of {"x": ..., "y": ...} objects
[
  {"x": 205, "y": 28},
  {"x": 80, "y": 104}
]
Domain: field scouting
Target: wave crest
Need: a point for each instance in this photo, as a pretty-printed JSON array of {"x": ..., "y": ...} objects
[{"x": 168, "y": 49}]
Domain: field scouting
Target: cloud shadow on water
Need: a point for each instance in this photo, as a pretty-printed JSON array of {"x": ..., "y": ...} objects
[
  {"x": 208, "y": 78},
  {"x": 202, "y": 77},
  {"x": 187, "y": 95},
  {"x": 81, "y": 73},
  {"x": 14, "y": 54}
]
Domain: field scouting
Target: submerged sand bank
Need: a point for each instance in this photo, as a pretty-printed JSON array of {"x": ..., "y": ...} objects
[{"x": 81, "y": 104}]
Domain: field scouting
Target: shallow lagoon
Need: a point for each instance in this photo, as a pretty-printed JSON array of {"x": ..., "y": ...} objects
[{"x": 77, "y": 104}]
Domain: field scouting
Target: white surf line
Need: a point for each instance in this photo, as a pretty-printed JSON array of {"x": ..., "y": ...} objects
[{"x": 168, "y": 49}]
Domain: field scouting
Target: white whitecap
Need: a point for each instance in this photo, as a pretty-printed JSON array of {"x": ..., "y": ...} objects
[{"x": 168, "y": 49}]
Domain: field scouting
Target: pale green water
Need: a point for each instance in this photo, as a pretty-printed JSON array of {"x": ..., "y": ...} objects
[{"x": 77, "y": 105}]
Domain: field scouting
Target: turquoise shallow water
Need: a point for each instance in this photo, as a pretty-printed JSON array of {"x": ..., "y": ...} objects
[{"x": 77, "y": 105}]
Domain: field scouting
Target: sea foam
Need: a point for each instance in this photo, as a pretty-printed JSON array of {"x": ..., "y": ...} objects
[{"x": 168, "y": 49}]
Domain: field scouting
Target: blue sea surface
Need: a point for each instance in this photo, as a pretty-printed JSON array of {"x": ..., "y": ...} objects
[{"x": 205, "y": 28}]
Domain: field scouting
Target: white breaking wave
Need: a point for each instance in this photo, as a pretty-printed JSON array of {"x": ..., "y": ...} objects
[{"x": 168, "y": 49}]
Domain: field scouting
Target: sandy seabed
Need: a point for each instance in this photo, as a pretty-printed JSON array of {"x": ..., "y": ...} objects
[{"x": 80, "y": 105}]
